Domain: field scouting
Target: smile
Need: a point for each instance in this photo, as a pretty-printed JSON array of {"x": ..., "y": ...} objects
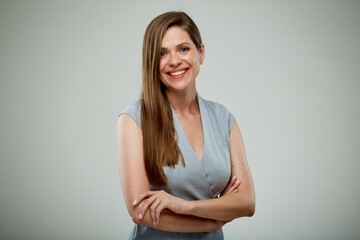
[{"x": 177, "y": 73}]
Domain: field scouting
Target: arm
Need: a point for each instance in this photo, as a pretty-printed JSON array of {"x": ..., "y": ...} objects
[
  {"x": 134, "y": 182},
  {"x": 239, "y": 203},
  {"x": 242, "y": 202}
]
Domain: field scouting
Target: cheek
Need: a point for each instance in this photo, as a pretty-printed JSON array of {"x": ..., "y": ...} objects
[
  {"x": 162, "y": 80},
  {"x": 162, "y": 72},
  {"x": 162, "y": 65},
  {"x": 193, "y": 59},
  {"x": 189, "y": 58}
]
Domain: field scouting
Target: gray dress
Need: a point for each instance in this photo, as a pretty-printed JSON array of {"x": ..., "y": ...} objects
[{"x": 197, "y": 180}]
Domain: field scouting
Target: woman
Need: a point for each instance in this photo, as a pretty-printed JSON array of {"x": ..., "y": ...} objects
[{"x": 182, "y": 162}]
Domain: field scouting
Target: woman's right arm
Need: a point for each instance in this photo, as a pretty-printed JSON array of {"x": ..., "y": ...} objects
[{"x": 134, "y": 181}]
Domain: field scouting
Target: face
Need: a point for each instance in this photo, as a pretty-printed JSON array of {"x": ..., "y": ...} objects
[{"x": 180, "y": 60}]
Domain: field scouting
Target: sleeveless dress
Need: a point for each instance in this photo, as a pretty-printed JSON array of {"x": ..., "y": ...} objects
[{"x": 204, "y": 179}]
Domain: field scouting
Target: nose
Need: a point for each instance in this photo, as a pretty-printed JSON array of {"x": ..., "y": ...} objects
[{"x": 175, "y": 60}]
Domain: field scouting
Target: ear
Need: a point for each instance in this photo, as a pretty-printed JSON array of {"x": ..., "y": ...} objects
[{"x": 202, "y": 53}]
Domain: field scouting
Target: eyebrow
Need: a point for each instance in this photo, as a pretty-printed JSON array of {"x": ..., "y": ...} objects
[{"x": 183, "y": 43}]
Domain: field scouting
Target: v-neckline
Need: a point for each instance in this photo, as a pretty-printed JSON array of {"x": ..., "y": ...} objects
[{"x": 201, "y": 110}]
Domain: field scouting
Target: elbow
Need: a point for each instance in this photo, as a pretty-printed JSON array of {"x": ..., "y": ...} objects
[
  {"x": 135, "y": 217},
  {"x": 251, "y": 210},
  {"x": 247, "y": 207},
  {"x": 251, "y": 207}
]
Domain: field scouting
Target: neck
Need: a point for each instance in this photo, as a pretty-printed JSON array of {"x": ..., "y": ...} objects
[{"x": 183, "y": 103}]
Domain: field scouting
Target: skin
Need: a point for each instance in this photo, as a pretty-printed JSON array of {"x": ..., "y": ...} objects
[{"x": 160, "y": 209}]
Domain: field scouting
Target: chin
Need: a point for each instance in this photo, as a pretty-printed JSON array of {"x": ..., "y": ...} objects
[
  {"x": 176, "y": 84},
  {"x": 179, "y": 86}
]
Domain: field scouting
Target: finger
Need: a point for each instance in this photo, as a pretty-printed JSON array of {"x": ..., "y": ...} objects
[
  {"x": 234, "y": 186},
  {"x": 233, "y": 180},
  {"x": 145, "y": 205},
  {"x": 142, "y": 196},
  {"x": 152, "y": 216},
  {"x": 153, "y": 209},
  {"x": 158, "y": 211},
  {"x": 228, "y": 188}
]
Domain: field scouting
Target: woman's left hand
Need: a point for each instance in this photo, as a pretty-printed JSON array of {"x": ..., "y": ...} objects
[
  {"x": 232, "y": 186},
  {"x": 158, "y": 201}
]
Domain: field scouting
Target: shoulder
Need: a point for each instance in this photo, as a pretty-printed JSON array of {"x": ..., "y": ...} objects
[
  {"x": 133, "y": 110},
  {"x": 220, "y": 114},
  {"x": 216, "y": 107}
]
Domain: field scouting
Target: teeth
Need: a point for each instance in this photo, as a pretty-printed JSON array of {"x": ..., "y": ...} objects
[{"x": 177, "y": 73}]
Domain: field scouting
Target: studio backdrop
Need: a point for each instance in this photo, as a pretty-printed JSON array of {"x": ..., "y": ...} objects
[{"x": 287, "y": 70}]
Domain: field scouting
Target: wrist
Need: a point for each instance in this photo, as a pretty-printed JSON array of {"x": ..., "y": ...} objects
[{"x": 189, "y": 207}]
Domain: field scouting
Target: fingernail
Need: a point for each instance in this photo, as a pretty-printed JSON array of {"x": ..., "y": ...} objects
[
  {"x": 140, "y": 215},
  {"x": 233, "y": 177},
  {"x": 237, "y": 181},
  {"x": 157, "y": 222},
  {"x": 135, "y": 202},
  {"x": 154, "y": 223}
]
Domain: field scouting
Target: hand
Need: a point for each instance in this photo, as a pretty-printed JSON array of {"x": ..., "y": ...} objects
[
  {"x": 232, "y": 186},
  {"x": 158, "y": 201}
]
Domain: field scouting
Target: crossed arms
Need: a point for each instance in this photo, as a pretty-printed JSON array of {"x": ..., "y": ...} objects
[{"x": 163, "y": 211}]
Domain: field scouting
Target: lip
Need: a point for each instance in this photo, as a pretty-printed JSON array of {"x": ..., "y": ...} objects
[{"x": 178, "y": 70}]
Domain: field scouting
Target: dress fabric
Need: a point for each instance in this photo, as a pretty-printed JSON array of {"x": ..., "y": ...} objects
[{"x": 204, "y": 179}]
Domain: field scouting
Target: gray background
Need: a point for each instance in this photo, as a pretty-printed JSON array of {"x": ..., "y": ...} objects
[{"x": 288, "y": 71}]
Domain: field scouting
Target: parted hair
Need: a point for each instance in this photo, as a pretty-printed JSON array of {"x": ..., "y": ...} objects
[{"x": 158, "y": 130}]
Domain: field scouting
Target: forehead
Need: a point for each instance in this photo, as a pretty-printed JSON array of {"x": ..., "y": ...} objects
[{"x": 175, "y": 35}]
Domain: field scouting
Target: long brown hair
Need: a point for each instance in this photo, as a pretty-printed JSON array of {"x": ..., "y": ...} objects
[{"x": 158, "y": 130}]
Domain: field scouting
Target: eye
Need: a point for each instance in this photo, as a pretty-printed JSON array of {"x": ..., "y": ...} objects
[
  {"x": 184, "y": 49},
  {"x": 162, "y": 53}
]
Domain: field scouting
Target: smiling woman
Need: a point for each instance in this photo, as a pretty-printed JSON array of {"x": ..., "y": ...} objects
[{"x": 170, "y": 124}]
